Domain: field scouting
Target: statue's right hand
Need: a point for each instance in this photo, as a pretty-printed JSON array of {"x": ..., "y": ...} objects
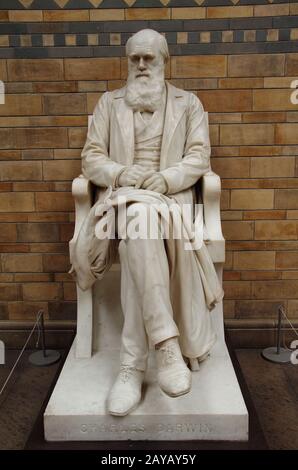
[{"x": 130, "y": 175}]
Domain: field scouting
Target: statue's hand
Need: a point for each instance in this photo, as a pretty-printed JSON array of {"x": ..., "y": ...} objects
[
  {"x": 155, "y": 182},
  {"x": 130, "y": 176}
]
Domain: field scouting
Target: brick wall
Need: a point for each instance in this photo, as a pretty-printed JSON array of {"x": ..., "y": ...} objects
[{"x": 240, "y": 57}]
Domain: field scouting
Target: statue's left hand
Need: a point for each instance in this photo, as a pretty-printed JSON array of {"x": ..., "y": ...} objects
[{"x": 155, "y": 182}]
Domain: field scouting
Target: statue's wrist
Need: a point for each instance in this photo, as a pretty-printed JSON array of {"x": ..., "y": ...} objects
[
  {"x": 166, "y": 184},
  {"x": 117, "y": 181}
]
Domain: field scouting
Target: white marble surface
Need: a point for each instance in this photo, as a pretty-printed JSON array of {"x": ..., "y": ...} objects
[
  {"x": 213, "y": 410},
  {"x": 108, "y": 317}
]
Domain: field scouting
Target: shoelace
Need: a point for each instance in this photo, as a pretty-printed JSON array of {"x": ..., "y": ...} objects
[
  {"x": 168, "y": 356},
  {"x": 125, "y": 373}
]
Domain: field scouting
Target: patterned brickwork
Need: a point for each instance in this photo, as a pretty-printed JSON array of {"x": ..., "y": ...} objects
[
  {"x": 100, "y": 32},
  {"x": 57, "y": 61},
  {"x": 102, "y": 4}
]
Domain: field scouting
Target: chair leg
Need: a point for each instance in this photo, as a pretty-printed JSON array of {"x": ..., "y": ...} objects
[
  {"x": 84, "y": 323},
  {"x": 217, "y": 313}
]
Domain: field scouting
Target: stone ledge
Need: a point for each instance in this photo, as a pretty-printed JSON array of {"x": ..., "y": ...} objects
[{"x": 213, "y": 410}]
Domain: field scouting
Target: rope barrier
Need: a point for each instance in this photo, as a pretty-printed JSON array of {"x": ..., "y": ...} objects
[
  {"x": 292, "y": 326},
  {"x": 288, "y": 320},
  {"x": 40, "y": 313}
]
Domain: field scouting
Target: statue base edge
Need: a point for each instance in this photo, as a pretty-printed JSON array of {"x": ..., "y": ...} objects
[{"x": 214, "y": 410}]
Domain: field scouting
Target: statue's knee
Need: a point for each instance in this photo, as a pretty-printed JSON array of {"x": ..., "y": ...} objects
[
  {"x": 138, "y": 220},
  {"x": 138, "y": 209}
]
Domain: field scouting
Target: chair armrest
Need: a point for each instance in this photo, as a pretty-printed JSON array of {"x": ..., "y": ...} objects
[
  {"x": 82, "y": 193},
  {"x": 211, "y": 189}
]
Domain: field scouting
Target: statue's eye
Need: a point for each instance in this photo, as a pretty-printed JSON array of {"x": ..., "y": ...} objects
[{"x": 135, "y": 58}]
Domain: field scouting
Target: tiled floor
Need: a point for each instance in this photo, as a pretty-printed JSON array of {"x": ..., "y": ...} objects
[{"x": 273, "y": 387}]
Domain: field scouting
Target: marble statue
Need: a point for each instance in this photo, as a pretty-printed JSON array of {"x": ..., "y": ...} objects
[{"x": 149, "y": 142}]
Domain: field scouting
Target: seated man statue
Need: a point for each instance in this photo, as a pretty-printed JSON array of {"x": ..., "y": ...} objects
[{"x": 149, "y": 142}]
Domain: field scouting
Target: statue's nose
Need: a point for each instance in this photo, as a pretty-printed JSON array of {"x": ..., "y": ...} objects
[{"x": 142, "y": 65}]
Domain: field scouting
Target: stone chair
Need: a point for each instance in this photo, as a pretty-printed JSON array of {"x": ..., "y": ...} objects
[{"x": 214, "y": 409}]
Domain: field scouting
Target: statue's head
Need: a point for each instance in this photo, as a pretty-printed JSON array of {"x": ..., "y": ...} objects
[{"x": 147, "y": 53}]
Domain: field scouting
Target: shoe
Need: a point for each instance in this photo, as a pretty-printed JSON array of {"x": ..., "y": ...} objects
[
  {"x": 173, "y": 376},
  {"x": 126, "y": 392}
]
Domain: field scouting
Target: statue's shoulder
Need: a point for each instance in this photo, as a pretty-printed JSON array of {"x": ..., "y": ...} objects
[
  {"x": 119, "y": 93},
  {"x": 189, "y": 97},
  {"x": 108, "y": 97},
  {"x": 114, "y": 94}
]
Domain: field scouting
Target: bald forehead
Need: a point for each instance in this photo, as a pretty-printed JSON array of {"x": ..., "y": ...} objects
[{"x": 145, "y": 43}]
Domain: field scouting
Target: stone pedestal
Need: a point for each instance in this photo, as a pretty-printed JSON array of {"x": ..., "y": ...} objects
[{"x": 213, "y": 410}]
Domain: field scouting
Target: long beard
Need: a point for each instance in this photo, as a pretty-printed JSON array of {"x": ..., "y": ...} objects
[{"x": 144, "y": 95}]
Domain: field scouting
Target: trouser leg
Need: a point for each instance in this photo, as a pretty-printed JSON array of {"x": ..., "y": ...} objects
[
  {"x": 147, "y": 266},
  {"x": 134, "y": 341},
  {"x": 148, "y": 260}
]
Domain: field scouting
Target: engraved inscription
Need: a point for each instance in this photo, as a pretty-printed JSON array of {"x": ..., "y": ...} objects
[
  {"x": 93, "y": 428},
  {"x": 185, "y": 427},
  {"x": 191, "y": 428}
]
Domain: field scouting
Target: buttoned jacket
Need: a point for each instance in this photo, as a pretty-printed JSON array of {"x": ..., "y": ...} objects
[{"x": 185, "y": 149}]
